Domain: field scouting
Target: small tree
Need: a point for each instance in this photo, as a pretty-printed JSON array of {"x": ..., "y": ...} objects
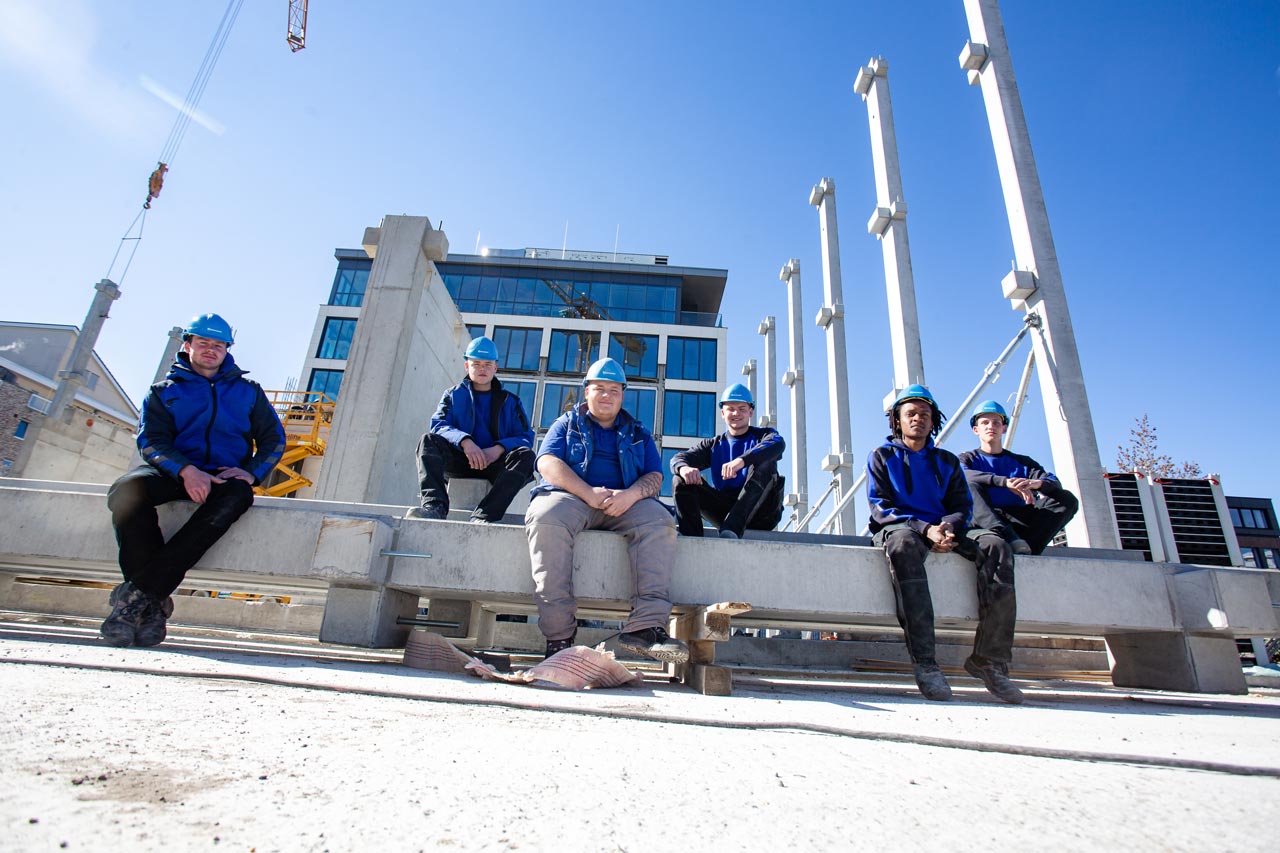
[{"x": 1142, "y": 454}]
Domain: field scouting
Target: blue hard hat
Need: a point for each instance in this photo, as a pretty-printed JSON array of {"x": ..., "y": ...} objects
[
  {"x": 605, "y": 370},
  {"x": 989, "y": 407},
  {"x": 482, "y": 349},
  {"x": 209, "y": 326},
  {"x": 737, "y": 393},
  {"x": 914, "y": 392}
]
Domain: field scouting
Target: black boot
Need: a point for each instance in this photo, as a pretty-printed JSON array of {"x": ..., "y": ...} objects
[{"x": 128, "y": 607}]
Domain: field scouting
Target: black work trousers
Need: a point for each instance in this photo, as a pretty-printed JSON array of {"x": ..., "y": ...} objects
[
  {"x": 439, "y": 461},
  {"x": 146, "y": 560},
  {"x": 1036, "y": 523},
  {"x": 756, "y": 506},
  {"x": 997, "y": 604}
]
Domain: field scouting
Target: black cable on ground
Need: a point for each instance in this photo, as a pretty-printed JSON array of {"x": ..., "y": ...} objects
[{"x": 780, "y": 726}]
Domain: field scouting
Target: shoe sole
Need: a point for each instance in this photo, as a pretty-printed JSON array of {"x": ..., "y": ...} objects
[
  {"x": 118, "y": 639},
  {"x": 659, "y": 655}
]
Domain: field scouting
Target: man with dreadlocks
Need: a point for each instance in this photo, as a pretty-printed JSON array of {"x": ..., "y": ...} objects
[{"x": 920, "y": 503}]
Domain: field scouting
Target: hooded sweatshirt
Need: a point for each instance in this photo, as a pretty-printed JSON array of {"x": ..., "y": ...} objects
[{"x": 919, "y": 487}]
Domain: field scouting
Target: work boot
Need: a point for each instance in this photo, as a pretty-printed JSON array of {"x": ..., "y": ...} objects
[
  {"x": 932, "y": 683},
  {"x": 1020, "y": 546},
  {"x": 556, "y": 646},
  {"x": 729, "y": 534},
  {"x": 429, "y": 512},
  {"x": 152, "y": 627},
  {"x": 128, "y": 606},
  {"x": 994, "y": 676},
  {"x": 655, "y": 643}
]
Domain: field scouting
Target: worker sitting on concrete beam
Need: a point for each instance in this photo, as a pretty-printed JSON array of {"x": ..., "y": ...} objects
[
  {"x": 920, "y": 503},
  {"x": 208, "y": 435},
  {"x": 481, "y": 431},
  {"x": 1013, "y": 494},
  {"x": 601, "y": 471},
  {"x": 746, "y": 489}
]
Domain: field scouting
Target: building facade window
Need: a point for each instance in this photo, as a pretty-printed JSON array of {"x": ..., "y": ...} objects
[
  {"x": 691, "y": 413},
  {"x": 532, "y": 292},
  {"x": 91, "y": 381},
  {"x": 326, "y": 382},
  {"x": 526, "y": 391},
  {"x": 21, "y": 431},
  {"x": 639, "y": 403},
  {"x": 556, "y": 400},
  {"x": 572, "y": 352},
  {"x": 638, "y": 354},
  {"x": 691, "y": 358},
  {"x": 350, "y": 282},
  {"x": 475, "y": 330},
  {"x": 517, "y": 348},
  {"x": 335, "y": 340},
  {"x": 1250, "y": 517}
]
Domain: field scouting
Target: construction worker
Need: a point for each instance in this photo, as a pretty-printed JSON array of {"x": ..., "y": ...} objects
[
  {"x": 478, "y": 431},
  {"x": 920, "y": 503},
  {"x": 207, "y": 435},
  {"x": 1013, "y": 494},
  {"x": 601, "y": 470},
  {"x": 745, "y": 490}
]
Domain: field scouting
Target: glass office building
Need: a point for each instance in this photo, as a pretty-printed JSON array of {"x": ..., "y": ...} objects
[{"x": 551, "y": 313}]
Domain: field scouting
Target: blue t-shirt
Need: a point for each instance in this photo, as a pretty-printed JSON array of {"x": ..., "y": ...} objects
[
  {"x": 480, "y": 434},
  {"x": 604, "y": 468},
  {"x": 727, "y": 451}
]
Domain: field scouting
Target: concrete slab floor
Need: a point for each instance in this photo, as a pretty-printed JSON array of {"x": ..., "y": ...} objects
[{"x": 231, "y": 741}]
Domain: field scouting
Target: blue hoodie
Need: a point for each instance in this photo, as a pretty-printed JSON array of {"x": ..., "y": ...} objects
[
  {"x": 921, "y": 487},
  {"x": 223, "y": 422}
]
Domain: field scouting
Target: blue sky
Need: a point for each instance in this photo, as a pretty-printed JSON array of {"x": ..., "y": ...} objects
[{"x": 696, "y": 130}]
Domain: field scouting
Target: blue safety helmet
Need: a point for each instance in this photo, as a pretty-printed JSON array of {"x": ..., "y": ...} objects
[
  {"x": 914, "y": 392},
  {"x": 481, "y": 349},
  {"x": 605, "y": 370},
  {"x": 989, "y": 407},
  {"x": 921, "y": 393},
  {"x": 737, "y": 393},
  {"x": 209, "y": 326}
]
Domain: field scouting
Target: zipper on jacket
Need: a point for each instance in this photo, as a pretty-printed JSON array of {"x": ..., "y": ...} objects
[{"x": 208, "y": 430}]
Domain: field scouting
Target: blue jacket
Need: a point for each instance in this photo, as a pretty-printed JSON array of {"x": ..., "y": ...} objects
[
  {"x": 455, "y": 417},
  {"x": 919, "y": 487},
  {"x": 764, "y": 444},
  {"x": 223, "y": 422},
  {"x": 992, "y": 472},
  {"x": 569, "y": 439}
]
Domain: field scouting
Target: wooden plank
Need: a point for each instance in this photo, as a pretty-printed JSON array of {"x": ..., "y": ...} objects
[{"x": 709, "y": 680}]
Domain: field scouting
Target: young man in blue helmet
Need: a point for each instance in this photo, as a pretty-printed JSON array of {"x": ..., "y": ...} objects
[
  {"x": 601, "y": 471},
  {"x": 207, "y": 435},
  {"x": 920, "y": 503},
  {"x": 479, "y": 430},
  {"x": 1013, "y": 494},
  {"x": 745, "y": 490}
]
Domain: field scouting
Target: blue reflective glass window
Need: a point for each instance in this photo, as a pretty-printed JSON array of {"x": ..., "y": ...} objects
[
  {"x": 507, "y": 289},
  {"x": 556, "y": 400},
  {"x": 525, "y": 290},
  {"x": 326, "y": 382},
  {"x": 335, "y": 340},
  {"x": 475, "y": 331},
  {"x": 517, "y": 348},
  {"x": 470, "y": 287},
  {"x": 640, "y": 402},
  {"x": 668, "y": 454},
  {"x": 669, "y": 299},
  {"x": 526, "y": 391},
  {"x": 488, "y": 288},
  {"x": 453, "y": 284},
  {"x": 349, "y": 283},
  {"x": 638, "y": 354},
  {"x": 688, "y": 413},
  {"x": 542, "y": 293},
  {"x": 691, "y": 358},
  {"x": 573, "y": 352},
  {"x": 21, "y": 430}
]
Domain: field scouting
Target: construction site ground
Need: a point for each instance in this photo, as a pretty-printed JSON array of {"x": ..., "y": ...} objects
[{"x": 219, "y": 740}]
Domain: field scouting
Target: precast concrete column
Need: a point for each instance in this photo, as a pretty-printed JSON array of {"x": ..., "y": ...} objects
[
  {"x": 831, "y": 318},
  {"x": 73, "y": 376},
  {"x": 749, "y": 371},
  {"x": 1035, "y": 285},
  {"x": 798, "y": 499},
  {"x": 769, "y": 417},
  {"x": 170, "y": 353},
  {"x": 888, "y": 224}
]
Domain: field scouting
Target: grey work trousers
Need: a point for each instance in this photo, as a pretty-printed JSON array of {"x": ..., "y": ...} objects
[{"x": 552, "y": 522}]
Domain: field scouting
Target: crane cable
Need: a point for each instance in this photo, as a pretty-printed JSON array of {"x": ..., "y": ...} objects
[{"x": 176, "y": 134}]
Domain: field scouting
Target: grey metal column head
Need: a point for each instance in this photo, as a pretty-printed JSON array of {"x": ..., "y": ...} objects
[
  {"x": 769, "y": 411},
  {"x": 1036, "y": 281},
  {"x": 831, "y": 318},
  {"x": 749, "y": 371},
  {"x": 170, "y": 354},
  {"x": 74, "y": 375},
  {"x": 798, "y": 498},
  {"x": 888, "y": 224}
]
